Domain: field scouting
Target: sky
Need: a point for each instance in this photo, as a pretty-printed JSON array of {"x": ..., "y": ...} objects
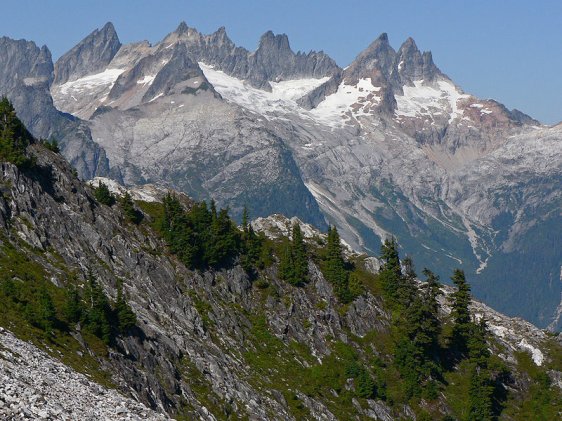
[{"x": 507, "y": 50}]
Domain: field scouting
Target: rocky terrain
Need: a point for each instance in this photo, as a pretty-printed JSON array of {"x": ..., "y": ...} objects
[
  {"x": 387, "y": 146},
  {"x": 34, "y": 385},
  {"x": 26, "y": 74},
  {"x": 210, "y": 344}
]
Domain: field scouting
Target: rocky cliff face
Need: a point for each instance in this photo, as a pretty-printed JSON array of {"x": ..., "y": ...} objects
[
  {"x": 26, "y": 74},
  {"x": 92, "y": 55}
]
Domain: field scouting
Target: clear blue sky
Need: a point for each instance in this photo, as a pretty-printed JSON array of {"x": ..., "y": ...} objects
[{"x": 510, "y": 51}]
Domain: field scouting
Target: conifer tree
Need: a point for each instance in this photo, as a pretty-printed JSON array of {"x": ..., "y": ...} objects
[
  {"x": 129, "y": 210},
  {"x": 14, "y": 137},
  {"x": 98, "y": 310},
  {"x": 480, "y": 395},
  {"x": 46, "y": 314},
  {"x": 125, "y": 315},
  {"x": 460, "y": 311},
  {"x": 103, "y": 195},
  {"x": 365, "y": 385},
  {"x": 390, "y": 273},
  {"x": 286, "y": 264},
  {"x": 245, "y": 219},
  {"x": 406, "y": 289},
  {"x": 335, "y": 267},
  {"x": 73, "y": 308},
  {"x": 356, "y": 287},
  {"x": 300, "y": 259},
  {"x": 251, "y": 246},
  {"x": 390, "y": 256},
  {"x": 431, "y": 289}
]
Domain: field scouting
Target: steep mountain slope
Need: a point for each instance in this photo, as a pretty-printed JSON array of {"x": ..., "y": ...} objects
[
  {"x": 37, "y": 386},
  {"x": 210, "y": 344},
  {"x": 26, "y": 73},
  {"x": 387, "y": 146}
]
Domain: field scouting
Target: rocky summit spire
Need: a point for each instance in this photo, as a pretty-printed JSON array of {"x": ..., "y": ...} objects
[
  {"x": 182, "y": 28},
  {"x": 410, "y": 64},
  {"x": 269, "y": 41},
  {"x": 91, "y": 55},
  {"x": 375, "y": 61}
]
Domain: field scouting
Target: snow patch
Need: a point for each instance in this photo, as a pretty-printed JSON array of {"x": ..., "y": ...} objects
[
  {"x": 347, "y": 101},
  {"x": 356, "y": 99},
  {"x": 146, "y": 193},
  {"x": 146, "y": 80},
  {"x": 92, "y": 82},
  {"x": 282, "y": 98},
  {"x": 536, "y": 354},
  {"x": 423, "y": 100},
  {"x": 156, "y": 97}
]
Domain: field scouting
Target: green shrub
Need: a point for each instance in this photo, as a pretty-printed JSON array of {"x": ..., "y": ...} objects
[{"x": 103, "y": 195}]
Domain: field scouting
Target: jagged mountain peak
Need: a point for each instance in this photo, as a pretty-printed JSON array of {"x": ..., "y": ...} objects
[
  {"x": 413, "y": 65},
  {"x": 374, "y": 62},
  {"x": 271, "y": 41},
  {"x": 182, "y": 28},
  {"x": 90, "y": 55},
  {"x": 107, "y": 30},
  {"x": 409, "y": 48}
]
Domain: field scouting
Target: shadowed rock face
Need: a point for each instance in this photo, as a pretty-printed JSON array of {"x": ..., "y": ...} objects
[
  {"x": 26, "y": 73},
  {"x": 91, "y": 55},
  {"x": 412, "y": 65}
]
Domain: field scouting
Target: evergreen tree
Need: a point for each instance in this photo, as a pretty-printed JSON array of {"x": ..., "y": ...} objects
[
  {"x": 478, "y": 352},
  {"x": 390, "y": 273},
  {"x": 46, "y": 314},
  {"x": 14, "y": 137},
  {"x": 245, "y": 219},
  {"x": 390, "y": 256},
  {"x": 417, "y": 332},
  {"x": 251, "y": 246},
  {"x": 335, "y": 267},
  {"x": 73, "y": 308},
  {"x": 356, "y": 287},
  {"x": 51, "y": 145},
  {"x": 221, "y": 240},
  {"x": 406, "y": 288},
  {"x": 103, "y": 195},
  {"x": 480, "y": 395},
  {"x": 365, "y": 385},
  {"x": 300, "y": 259},
  {"x": 431, "y": 289},
  {"x": 460, "y": 311},
  {"x": 286, "y": 264},
  {"x": 98, "y": 314},
  {"x": 203, "y": 237},
  {"x": 125, "y": 315},
  {"x": 129, "y": 210}
]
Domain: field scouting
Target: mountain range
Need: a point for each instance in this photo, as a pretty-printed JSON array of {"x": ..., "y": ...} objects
[{"x": 387, "y": 146}]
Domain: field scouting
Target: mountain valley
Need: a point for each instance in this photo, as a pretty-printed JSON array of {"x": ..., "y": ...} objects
[{"x": 170, "y": 236}]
